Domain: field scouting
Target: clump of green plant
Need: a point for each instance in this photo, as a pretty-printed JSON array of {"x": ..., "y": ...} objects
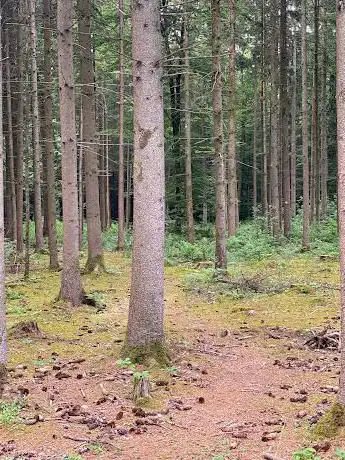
[
  {"x": 9, "y": 411},
  {"x": 95, "y": 448},
  {"x": 73, "y": 457},
  {"x": 97, "y": 298},
  {"x": 328, "y": 426},
  {"x": 141, "y": 383},
  {"x": 306, "y": 454},
  {"x": 14, "y": 295},
  {"x": 340, "y": 453},
  {"x": 43, "y": 362}
]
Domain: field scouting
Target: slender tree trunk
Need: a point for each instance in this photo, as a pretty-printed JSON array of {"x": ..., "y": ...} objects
[
  {"x": 315, "y": 167},
  {"x": 255, "y": 142},
  {"x": 284, "y": 119},
  {"x": 80, "y": 180},
  {"x": 121, "y": 184},
  {"x": 101, "y": 168},
  {"x": 341, "y": 177},
  {"x": 87, "y": 76},
  {"x": 3, "y": 334},
  {"x": 71, "y": 286},
  {"x": 128, "y": 189},
  {"x": 274, "y": 171},
  {"x": 221, "y": 255},
  {"x": 36, "y": 130},
  {"x": 146, "y": 310},
  {"x": 10, "y": 153},
  {"x": 187, "y": 133},
  {"x": 323, "y": 121},
  {"x": 264, "y": 191},
  {"x": 232, "y": 165},
  {"x": 306, "y": 202},
  {"x": 49, "y": 136},
  {"x": 204, "y": 192},
  {"x": 19, "y": 122},
  {"x": 293, "y": 129}
]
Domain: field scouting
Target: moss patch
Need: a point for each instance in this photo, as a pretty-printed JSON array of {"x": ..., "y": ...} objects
[
  {"x": 145, "y": 354},
  {"x": 329, "y": 425}
]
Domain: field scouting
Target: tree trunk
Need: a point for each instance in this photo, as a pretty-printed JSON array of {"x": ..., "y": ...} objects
[
  {"x": 18, "y": 128},
  {"x": 36, "y": 130},
  {"x": 264, "y": 188},
  {"x": 341, "y": 177},
  {"x": 146, "y": 310},
  {"x": 95, "y": 259},
  {"x": 80, "y": 179},
  {"x": 284, "y": 119},
  {"x": 232, "y": 165},
  {"x": 274, "y": 171},
  {"x": 71, "y": 287},
  {"x": 187, "y": 131},
  {"x": 255, "y": 142},
  {"x": 315, "y": 167},
  {"x": 293, "y": 130},
  {"x": 306, "y": 203},
  {"x": 121, "y": 183},
  {"x": 10, "y": 153},
  {"x": 3, "y": 334},
  {"x": 49, "y": 136},
  {"x": 323, "y": 121},
  {"x": 221, "y": 255}
]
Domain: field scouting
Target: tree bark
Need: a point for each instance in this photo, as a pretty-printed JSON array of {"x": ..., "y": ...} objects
[
  {"x": 293, "y": 130},
  {"x": 3, "y": 334},
  {"x": 18, "y": 128},
  {"x": 284, "y": 105},
  {"x": 49, "y": 136},
  {"x": 323, "y": 121},
  {"x": 232, "y": 164},
  {"x": 10, "y": 152},
  {"x": 146, "y": 309},
  {"x": 95, "y": 259},
  {"x": 306, "y": 198},
  {"x": 341, "y": 178},
  {"x": 187, "y": 133},
  {"x": 36, "y": 130},
  {"x": 71, "y": 286},
  {"x": 221, "y": 255},
  {"x": 121, "y": 183},
  {"x": 274, "y": 171}
]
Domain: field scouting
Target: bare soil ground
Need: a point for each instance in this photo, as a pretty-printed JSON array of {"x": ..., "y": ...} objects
[{"x": 241, "y": 384}]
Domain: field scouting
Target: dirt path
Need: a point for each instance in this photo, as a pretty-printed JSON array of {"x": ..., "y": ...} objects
[{"x": 229, "y": 399}]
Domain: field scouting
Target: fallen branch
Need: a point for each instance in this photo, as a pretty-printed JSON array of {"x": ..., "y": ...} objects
[
  {"x": 271, "y": 457},
  {"x": 324, "y": 340}
]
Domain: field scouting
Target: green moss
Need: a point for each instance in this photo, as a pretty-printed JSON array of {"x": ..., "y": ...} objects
[
  {"x": 328, "y": 426},
  {"x": 144, "y": 354},
  {"x": 95, "y": 263}
]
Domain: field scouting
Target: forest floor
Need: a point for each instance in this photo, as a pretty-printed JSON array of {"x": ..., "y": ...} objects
[{"x": 241, "y": 384}]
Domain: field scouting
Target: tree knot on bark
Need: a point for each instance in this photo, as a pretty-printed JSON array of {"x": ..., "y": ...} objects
[
  {"x": 341, "y": 5},
  {"x": 145, "y": 135}
]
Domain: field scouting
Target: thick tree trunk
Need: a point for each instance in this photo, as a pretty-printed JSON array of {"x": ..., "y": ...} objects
[
  {"x": 274, "y": 169},
  {"x": 221, "y": 255},
  {"x": 187, "y": 133},
  {"x": 293, "y": 130},
  {"x": 232, "y": 164},
  {"x": 306, "y": 202},
  {"x": 10, "y": 152},
  {"x": 121, "y": 182},
  {"x": 95, "y": 259},
  {"x": 341, "y": 177},
  {"x": 284, "y": 106},
  {"x": 36, "y": 130},
  {"x": 3, "y": 335},
  {"x": 145, "y": 332},
  {"x": 80, "y": 179},
  {"x": 49, "y": 136},
  {"x": 71, "y": 287}
]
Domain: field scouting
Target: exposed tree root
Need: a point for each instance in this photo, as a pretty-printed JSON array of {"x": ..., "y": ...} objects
[{"x": 324, "y": 340}]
